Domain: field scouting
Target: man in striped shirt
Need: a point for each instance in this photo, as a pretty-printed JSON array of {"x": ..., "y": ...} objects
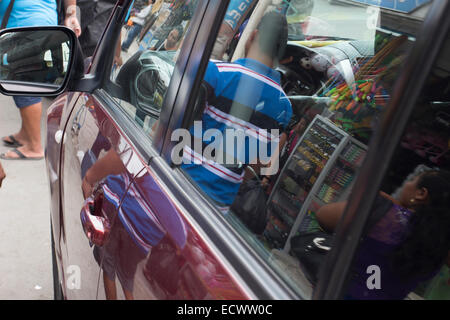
[{"x": 244, "y": 96}]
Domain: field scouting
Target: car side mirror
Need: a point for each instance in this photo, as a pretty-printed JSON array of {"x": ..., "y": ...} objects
[{"x": 36, "y": 61}]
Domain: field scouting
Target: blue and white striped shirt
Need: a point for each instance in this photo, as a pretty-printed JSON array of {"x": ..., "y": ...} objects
[{"x": 242, "y": 96}]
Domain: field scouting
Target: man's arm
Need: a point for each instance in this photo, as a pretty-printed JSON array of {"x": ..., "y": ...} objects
[
  {"x": 330, "y": 214},
  {"x": 110, "y": 164},
  {"x": 71, "y": 19}
]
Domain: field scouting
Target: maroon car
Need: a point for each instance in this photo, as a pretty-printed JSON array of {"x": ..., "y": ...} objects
[{"x": 362, "y": 98}]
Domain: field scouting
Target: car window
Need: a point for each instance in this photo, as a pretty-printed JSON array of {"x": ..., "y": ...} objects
[
  {"x": 285, "y": 112},
  {"x": 404, "y": 253},
  {"x": 150, "y": 41}
]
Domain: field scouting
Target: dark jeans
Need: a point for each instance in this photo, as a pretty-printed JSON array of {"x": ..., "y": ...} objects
[{"x": 132, "y": 34}]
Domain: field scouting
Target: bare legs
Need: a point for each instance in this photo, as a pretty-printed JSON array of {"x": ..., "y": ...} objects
[
  {"x": 110, "y": 289},
  {"x": 30, "y": 132}
]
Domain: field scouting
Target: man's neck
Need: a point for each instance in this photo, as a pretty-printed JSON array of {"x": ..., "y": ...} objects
[{"x": 264, "y": 59}]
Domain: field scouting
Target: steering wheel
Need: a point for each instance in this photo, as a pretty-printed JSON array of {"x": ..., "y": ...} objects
[{"x": 298, "y": 81}]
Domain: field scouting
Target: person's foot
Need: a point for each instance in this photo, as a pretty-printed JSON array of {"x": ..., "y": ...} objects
[
  {"x": 13, "y": 141},
  {"x": 22, "y": 153}
]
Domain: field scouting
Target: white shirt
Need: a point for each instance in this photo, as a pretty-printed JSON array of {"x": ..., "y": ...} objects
[{"x": 139, "y": 18}]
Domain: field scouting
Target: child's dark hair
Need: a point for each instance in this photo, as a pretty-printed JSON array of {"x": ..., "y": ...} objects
[{"x": 427, "y": 245}]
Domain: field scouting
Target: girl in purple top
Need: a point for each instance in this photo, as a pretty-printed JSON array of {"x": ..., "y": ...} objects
[{"x": 409, "y": 244}]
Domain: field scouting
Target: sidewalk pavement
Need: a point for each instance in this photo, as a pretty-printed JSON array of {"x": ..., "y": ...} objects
[{"x": 25, "y": 254}]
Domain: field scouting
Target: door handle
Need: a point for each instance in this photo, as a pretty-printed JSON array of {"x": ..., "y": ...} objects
[
  {"x": 58, "y": 136},
  {"x": 95, "y": 223}
]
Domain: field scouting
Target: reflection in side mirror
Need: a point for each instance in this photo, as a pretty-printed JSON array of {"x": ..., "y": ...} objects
[{"x": 35, "y": 60}]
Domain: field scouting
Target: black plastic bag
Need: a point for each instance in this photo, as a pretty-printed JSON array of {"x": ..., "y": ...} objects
[
  {"x": 311, "y": 250},
  {"x": 250, "y": 205}
]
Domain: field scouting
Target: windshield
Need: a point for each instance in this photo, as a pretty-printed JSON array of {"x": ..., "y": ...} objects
[{"x": 349, "y": 20}]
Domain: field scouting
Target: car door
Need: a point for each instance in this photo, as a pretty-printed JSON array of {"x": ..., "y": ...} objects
[
  {"x": 111, "y": 133},
  {"x": 170, "y": 239},
  {"x": 167, "y": 255},
  {"x": 93, "y": 149},
  {"x": 179, "y": 252},
  {"x": 167, "y": 244},
  {"x": 57, "y": 115}
]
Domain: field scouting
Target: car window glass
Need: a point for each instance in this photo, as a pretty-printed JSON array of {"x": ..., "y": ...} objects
[
  {"x": 145, "y": 58},
  {"x": 404, "y": 253},
  {"x": 286, "y": 110}
]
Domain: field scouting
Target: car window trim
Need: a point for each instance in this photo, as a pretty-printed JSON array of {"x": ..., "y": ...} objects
[{"x": 406, "y": 91}]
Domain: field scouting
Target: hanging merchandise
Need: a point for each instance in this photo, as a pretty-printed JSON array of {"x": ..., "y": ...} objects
[{"x": 354, "y": 105}]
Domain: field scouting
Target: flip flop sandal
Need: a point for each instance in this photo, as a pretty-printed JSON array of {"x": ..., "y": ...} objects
[
  {"x": 21, "y": 156},
  {"x": 13, "y": 143}
]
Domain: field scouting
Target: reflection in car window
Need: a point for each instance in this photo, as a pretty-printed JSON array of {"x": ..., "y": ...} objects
[
  {"x": 300, "y": 115},
  {"x": 149, "y": 43},
  {"x": 22, "y": 62},
  {"x": 410, "y": 241}
]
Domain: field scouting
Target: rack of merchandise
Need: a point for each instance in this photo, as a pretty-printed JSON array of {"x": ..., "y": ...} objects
[{"x": 320, "y": 170}]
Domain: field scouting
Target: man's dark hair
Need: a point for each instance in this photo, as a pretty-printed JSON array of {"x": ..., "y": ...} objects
[{"x": 273, "y": 34}]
